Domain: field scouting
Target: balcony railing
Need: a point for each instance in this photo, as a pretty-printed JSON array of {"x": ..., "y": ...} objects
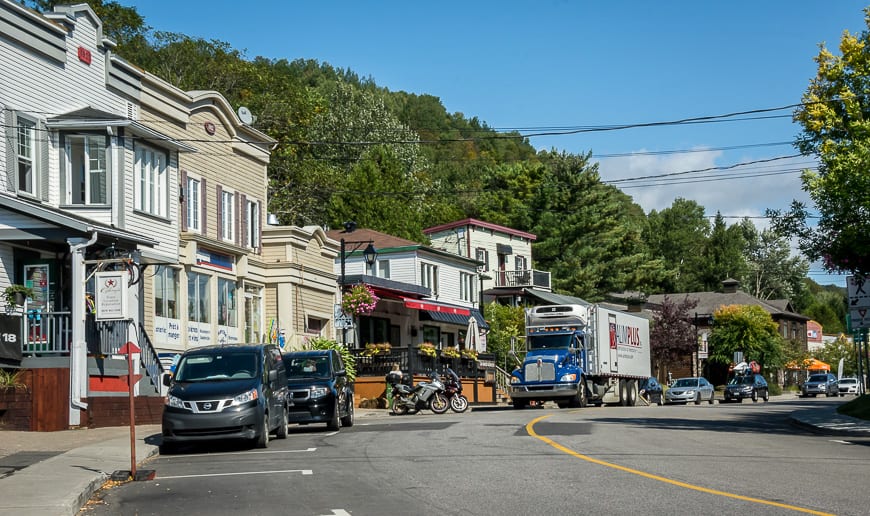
[
  {"x": 523, "y": 278},
  {"x": 46, "y": 333}
]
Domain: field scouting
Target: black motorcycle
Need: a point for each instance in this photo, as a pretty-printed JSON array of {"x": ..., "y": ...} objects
[
  {"x": 453, "y": 391},
  {"x": 426, "y": 395}
]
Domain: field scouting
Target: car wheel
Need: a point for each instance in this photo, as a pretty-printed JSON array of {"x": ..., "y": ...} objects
[
  {"x": 698, "y": 399},
  {"x": 754, "y": 396},
  {"x": 347, "y": 420},
  {"x": 262, "y": 440},
  {"x": 333, "y": 424},
  {"x": 660, "y": 401},
  {"x": 712, "y": 396},
  {"x": 281, "y": 433},
  {"x": 766, "y": 395}
]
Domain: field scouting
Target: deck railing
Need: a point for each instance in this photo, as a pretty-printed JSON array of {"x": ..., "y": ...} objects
[
  {"x": 411, "y": 361},
  {"x": 523, "y": 278}
]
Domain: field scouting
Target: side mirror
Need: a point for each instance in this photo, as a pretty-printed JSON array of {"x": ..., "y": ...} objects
[
  {"x": 273, "y": 375},
  {"x": 167, "y": 379}
]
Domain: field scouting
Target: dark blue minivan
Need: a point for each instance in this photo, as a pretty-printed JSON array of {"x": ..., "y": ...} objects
[{"x": 226, "y": 392}]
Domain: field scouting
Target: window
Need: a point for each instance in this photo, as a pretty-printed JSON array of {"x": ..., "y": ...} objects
[
  {"x": 166, "y": 293},
  {"x": 26, "y": 156},
  {"x": 467, "y": 284},
  {"x": 193, "y": 208},
  {"x": 253, "y": 313},
  {"x": 520, "y": 263},
  {"x": 383, "y": 269},
  {"x": 227, "y": 302},
  {"x": 228, "y": 218},
  {"x": 314, "y": 325},
  {"x": 252, "y": 237},
  {"x": 482, "y": 255},
  {"x": 429, "y": 277},
  {"x": 86, "y": 170},
  {"x": 198, "y": 301},
  {"x": 151, "y": 181},
  {"x": 373, "y": 330}
]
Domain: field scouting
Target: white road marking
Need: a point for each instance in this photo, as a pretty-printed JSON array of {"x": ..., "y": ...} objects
[
  {"x": 302, "y": 471},
  {"x": 307, "y": 450},
  {"x": 330, "y": 434},
  {"x": 337, "y": 512},
  {"x": 839, "y": 441}
]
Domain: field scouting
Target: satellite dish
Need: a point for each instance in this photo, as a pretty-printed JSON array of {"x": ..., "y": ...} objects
[{"x": 245, "y": 115}]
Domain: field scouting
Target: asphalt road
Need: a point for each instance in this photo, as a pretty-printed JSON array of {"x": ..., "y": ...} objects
[{"x": 710, "y": 459}]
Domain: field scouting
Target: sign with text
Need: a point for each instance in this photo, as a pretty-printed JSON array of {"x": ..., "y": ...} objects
[
  {"x": 859, "y": 301},
  {"x": 111, "y": 295},
  {"x": 10, "y": 337}
]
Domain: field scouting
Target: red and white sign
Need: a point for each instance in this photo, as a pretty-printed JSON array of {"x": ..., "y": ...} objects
[
  {"x": 433, "y": 307},
  {"x": 84, "y": 55}
]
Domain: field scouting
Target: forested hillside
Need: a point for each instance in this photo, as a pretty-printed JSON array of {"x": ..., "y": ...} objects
[{"x": 398, "y": 162}]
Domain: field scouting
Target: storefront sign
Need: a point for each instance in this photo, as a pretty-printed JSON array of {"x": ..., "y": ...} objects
[{"x": 111, "y": 295}]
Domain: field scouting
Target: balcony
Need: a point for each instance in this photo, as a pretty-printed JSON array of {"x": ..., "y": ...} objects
[{"x": 528, "y": 278}]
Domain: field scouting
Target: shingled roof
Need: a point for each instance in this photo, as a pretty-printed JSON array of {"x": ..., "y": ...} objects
[{"x": 709, "y": 302}]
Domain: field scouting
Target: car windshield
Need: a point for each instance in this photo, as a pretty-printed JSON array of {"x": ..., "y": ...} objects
[
  {"x": 218, "y": 366},
  {"x": 686, "y": 382},
  {"x": 741, "y": 380},
  {"x": 818, "y": 378},
  {"x": 308, "y": 367}
]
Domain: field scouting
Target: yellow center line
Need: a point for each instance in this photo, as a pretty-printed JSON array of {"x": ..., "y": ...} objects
[{"x": 531, "y": 430}]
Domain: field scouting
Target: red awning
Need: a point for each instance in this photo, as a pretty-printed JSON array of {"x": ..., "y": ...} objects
[{"x": 434, "y": 307}]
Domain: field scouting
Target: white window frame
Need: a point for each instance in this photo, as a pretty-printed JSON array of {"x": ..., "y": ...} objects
[
  {"x": 252, "y": 238},
  {"x": 382, "y": 269},
  {"x": 467, "y": 286},
  {"x": 228, "y": 215},
  {"x": 25, "y": 154},
  {"x": 166, "y": 293},
  {"x": 482, "y": 255},
  {"x": 198, "y": 297},
  {"x": 94, "y": 151},
  {"x": 151, "y": 176},
  {"x": 429, "y": 277},
  {"x": 194, "y": 198},
  {"x": 228, "y": 299}
]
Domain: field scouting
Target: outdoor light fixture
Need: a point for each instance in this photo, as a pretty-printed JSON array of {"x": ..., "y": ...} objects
[{"x": 370, "y": 254}]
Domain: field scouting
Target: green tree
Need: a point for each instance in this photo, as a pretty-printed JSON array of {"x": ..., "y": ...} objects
[
  {"x": 749, "y": 329},
  {"x": 672, "y": 335},
  {"x": 678, "y": 235},
  {"x": 834, "y": 351},
  {"x": 835, "y": 118},
  {"x": 771, "y": 271},
  {"x": 723, "y": 254},
  {"x": 507, "y": 325}
]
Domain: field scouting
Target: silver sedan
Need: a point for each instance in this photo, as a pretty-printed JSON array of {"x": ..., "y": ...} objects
[{"x": 685, "y": 390}]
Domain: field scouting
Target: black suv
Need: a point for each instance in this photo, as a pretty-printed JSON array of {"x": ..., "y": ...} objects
[
  {"x": 752, "y": 386},
  {"x": 231, "y": 391},
  {"x": 318, "y": 388}
]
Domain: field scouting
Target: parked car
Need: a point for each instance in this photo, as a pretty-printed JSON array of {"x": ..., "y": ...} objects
[
  {"x": 652, "y": 391},
  {"x": 318, "y": 388},
  {"x": 820, "y": 383},
  {"x": 752, "y": 386},
  {"x": 684, "y": 390},
  {"x": 848, "y": 385},
  {"x": 231, "y": 391}
]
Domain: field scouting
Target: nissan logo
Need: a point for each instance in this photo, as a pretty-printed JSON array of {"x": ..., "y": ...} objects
[{"x": 206, "y": 406}]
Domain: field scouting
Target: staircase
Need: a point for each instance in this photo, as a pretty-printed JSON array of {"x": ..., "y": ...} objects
[{"x": 502, "y": 385}]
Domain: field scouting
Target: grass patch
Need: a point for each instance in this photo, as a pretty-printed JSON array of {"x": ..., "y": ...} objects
[{"x": 859, "y": 407}]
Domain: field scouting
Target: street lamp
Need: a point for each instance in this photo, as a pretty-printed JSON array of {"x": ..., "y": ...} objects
[
  {"x": 482, "y": 277},
  {"x": 370, "y": 254}
]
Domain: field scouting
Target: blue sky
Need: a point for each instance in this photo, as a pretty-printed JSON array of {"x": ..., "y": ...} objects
[{"x": 559, "y": 65}]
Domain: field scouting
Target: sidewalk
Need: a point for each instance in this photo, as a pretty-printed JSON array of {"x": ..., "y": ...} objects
[{"x": 55, "y": 473}]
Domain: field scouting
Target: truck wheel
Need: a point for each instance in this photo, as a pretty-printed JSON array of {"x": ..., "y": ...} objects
[
  {"x": 520, "y": 404},
  {"x": 582, "y": 399},
  {"x": 631, "y": 391},
  {"x": 623, "y": 393}
]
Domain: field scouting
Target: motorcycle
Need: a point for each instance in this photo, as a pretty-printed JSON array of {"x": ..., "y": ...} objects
[
  {"x": 453, "y": 391},
  {"x": 426, "y": 395}
]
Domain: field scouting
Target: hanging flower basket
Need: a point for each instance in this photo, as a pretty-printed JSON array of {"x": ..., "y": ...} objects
[
  {"x": 450, "y": 352},
  {"x": 359, "y": 300},
  {"x": 427, "y": 349}
]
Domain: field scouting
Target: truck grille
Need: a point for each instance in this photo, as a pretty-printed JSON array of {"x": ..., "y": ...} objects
[{"x": 545, "y": 372}]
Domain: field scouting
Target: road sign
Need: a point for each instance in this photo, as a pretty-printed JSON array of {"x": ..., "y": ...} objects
[
  {"x": 343, "y": 322},
  {"x": 859, "y": 291},
  {"x": 860, "y": 318}
]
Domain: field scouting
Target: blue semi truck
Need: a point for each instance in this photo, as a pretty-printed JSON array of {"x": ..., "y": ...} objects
[{"x": 580, "y": 354}]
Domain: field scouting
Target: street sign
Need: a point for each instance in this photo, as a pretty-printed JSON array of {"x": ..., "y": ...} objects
[
  {"x": 860, "y": 318},
  {"x": 859, "y": 301},
  {"x": 343, "y": 322}
]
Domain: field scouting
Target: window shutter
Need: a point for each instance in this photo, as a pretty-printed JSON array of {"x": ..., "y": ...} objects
[
  {"x": 220, "y": 211},
  {"x": 184, "y": 195},
  {"x": 11, "y": 154},
  {"x": 259, "y": 227},
  {"x": 243, "y": 221},
  {"x": 203, "y": 206},
  {"x": 43, "y": 136}
]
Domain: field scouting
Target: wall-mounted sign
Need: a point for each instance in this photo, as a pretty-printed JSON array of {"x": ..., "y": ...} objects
[
  {"x": 216, "y": 260},
  {"x": 111, "y": 295},
  {"x": 84, "y": 55}
]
